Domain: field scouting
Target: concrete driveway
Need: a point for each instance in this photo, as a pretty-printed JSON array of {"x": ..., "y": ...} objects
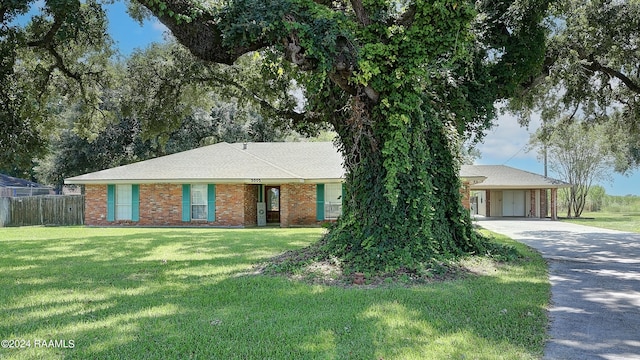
[{"x": 595, "y": 286}]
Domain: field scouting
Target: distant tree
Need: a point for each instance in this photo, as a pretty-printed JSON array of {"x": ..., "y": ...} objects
[
  {"x": 124, "y": 142},
  {"x": 595, "y": 197},
  {"x": 580, "y": 155}
]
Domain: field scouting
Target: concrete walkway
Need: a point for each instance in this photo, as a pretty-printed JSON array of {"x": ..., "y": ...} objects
[{"x": 595, "y": 286}]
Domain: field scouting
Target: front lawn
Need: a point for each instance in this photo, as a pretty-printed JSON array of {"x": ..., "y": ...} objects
[{"x": 130, "y": 293}]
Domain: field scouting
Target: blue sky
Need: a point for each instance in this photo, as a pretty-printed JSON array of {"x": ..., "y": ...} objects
[
  {"x": 128, "y": 33},
  {"x": 503, "y": 145}
]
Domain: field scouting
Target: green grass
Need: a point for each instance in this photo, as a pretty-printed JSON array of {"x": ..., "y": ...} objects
[
  {"x": 123, "y": 293},
  {"x": 623, "y": 221}
]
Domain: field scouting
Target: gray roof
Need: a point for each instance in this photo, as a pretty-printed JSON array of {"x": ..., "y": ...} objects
[
  {"x": 281, "y": 162},
  {"x": 13, "y": 182},
  {"x": 505, "y": 177},
  {"x": 231, "y": 163}
]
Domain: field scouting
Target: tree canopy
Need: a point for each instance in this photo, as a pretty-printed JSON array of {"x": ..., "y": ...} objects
[{"x": 591, "y": 71}]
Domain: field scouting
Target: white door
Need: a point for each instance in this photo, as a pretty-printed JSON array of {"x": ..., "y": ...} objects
[{"x": 513, "y": 203}]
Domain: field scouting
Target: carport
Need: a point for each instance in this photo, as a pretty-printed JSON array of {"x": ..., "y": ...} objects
[{"x": 510, "y": 192}]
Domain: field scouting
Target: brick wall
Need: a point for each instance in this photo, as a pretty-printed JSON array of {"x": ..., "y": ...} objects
[
  {"x": 297, "y": 204},
  {"x": 229, "y": 205},
  {"x": 532, "y": 203},
  {"x": 465, "y": 195},
  {"x": 250, "y": 205},
  {"x": 95, "y": 205},
  {"x": 161, "y": 205},
  {"x": 554, "y": 204}
]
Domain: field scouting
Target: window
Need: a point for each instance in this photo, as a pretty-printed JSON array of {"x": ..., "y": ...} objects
[
  {"x": 273, "y": 198},
  {"x": 332, "y": 201},
  {"x": 199, "y": 202},
  {"x": 123, "y": 202}
]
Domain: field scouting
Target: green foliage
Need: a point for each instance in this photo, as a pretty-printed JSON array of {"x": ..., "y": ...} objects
[
  {"x": 59, "y": 55},
  {"x": 592, "y": 69},
  {"x": 580, "y": 155},
  {"x": 124, "y": 141},
  {"x": 595, "y": 198}
]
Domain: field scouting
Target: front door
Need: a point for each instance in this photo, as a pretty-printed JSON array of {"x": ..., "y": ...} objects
[{"x": 272, "y": 194}]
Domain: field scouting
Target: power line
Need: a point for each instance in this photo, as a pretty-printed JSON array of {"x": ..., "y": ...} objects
[{"x": 514, "y": 155}]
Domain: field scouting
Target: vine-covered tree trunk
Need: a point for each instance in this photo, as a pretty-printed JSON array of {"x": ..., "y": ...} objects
[{"x": 417, "y": 220}]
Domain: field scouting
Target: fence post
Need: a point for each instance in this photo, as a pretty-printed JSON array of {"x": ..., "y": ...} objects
[{"x": 5, "y": 214}]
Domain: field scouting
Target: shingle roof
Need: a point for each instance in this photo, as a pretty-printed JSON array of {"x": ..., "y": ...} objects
[
  {"x": 10, "y": 181},
  {"x": 505, "y": 177},
  {"x": 223, "y": 162},
  {"x": 278, "y": 163}
]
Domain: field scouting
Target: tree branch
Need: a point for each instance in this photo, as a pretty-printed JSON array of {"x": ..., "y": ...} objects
[
  {"x": 202, "y": 36},
  {"x": 361, "y": 13},
  {"x": 596, "y": 66},
  {"x": 294, "y": 116},
  {"x": 47, "y": 43},
  {"x": 47, "y": 40}
]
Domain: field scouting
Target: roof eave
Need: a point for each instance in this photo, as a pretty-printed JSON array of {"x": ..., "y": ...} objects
[
  {"x": 274, "y": 181},
  {"x": 517, "y": 187}
]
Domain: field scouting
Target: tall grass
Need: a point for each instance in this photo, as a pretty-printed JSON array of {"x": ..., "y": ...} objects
[{"x": 621, "y": 204}]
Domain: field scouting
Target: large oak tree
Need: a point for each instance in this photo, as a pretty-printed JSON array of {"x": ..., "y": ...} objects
[{"x": 401, "y": 82}]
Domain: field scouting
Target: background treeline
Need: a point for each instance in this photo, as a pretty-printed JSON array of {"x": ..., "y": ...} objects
[{"x": 599, "y": 201}]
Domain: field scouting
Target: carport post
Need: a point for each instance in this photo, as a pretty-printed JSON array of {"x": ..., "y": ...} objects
[{"x": 554, "y": 204}]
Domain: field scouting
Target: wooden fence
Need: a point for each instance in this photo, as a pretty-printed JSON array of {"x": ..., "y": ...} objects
[{"x": 42, "y": 210}]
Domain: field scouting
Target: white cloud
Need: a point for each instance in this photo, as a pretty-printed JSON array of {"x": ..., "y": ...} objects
[{"x": 507, "y": 140}]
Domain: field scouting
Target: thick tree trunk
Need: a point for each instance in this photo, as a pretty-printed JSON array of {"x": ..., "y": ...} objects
[{"x": 421, "y": 220}]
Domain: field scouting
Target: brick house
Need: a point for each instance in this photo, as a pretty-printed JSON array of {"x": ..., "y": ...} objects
[
  {"x": 250, "y": 184},
  {"x": 511, "y": 192},
  {"x": 232, "y": 185}
]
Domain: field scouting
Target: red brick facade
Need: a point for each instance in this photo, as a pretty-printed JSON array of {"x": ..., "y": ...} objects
[
  {"x": 466, "y": 195},
  {"x": 250, "y": 205},
  {"x": 95, "y": 205},
  {"x": 162, "y": 204},
  {"x": 235, "y": 205},
  {"x": 297, "y": 204}
]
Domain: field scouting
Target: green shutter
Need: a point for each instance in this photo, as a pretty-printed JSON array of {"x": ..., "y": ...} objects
[
  {"x": 186, "y": 202},
  {"x": 320, "y": 202},
  {"x": 211, "y": 202},
  {"x": 135, "y": 202},
  {"x": 111, "y": 202}
]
